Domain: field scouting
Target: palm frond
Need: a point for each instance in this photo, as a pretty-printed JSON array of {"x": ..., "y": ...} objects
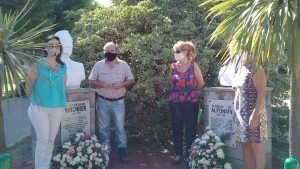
[{"x": 264, "y": 27}]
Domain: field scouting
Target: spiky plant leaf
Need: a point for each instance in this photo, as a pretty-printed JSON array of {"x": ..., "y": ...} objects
[
  {"x": 266, "y": 27},
  {"x": 14, "y": 51}
]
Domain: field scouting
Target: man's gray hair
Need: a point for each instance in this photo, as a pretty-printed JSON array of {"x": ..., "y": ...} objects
[{"x": 108, "y": 44}]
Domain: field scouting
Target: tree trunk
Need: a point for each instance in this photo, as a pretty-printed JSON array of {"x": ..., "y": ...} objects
[
  {"x": 294, "y": 111},
  {"x": 2, "y": 136}
]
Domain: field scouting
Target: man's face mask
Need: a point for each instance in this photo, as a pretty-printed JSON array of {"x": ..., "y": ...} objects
[{"x": 110, "y": 56}]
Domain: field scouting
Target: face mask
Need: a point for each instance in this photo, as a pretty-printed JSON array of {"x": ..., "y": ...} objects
[
  {"x": 110, "y": 56},
  {"x": 52, "y": 51},
  {"x": 178, "y": 56}
]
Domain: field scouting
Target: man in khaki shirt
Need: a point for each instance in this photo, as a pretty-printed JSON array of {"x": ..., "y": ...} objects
[{"x": 110, "y": 76}]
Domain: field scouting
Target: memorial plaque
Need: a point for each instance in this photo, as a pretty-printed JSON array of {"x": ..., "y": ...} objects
[
  {"x": 76, "y": 118},
  {"x": 221, "y": 119}
]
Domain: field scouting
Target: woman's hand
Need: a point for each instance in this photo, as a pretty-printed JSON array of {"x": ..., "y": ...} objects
[
  {"x": 259, "y": 81},
  {"x": 253, "y": 121}
]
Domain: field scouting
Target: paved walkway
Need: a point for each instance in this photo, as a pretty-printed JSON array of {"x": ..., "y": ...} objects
[
  {"x": 16, "y": 124},
  {"x": 141, "y": 160}
]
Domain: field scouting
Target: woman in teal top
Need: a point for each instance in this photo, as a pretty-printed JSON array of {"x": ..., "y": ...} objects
[{"x": 48, "y": 100}]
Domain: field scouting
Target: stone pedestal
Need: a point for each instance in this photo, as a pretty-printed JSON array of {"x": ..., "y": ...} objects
[
  {"x": 72, "y": 95},
  {"x": 235, "y": 155}
]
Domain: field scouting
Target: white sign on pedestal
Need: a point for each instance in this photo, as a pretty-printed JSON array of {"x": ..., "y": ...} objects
[
  {"x": 76, "y": 118},
  {"x": 221, "y": 119}
]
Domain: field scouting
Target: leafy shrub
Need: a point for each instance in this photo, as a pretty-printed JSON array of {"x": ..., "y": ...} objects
[
  {"x": 145, "y": 34},
  {"x": 279, "y": 81}
]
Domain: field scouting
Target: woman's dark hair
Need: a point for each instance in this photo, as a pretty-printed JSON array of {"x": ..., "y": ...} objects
[{"x": 58, "y": 60}]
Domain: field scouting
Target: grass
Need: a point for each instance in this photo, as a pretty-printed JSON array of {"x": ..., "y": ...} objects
[{"x": 21, "y": 151}]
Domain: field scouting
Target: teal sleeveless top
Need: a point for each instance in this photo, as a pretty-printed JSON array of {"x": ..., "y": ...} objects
[{"x": 49, "y": 88}]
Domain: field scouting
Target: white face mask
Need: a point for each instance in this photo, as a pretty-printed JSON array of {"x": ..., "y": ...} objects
[
  {"x": 178, "y": 56},
  {"x": 52, "y": 51}
]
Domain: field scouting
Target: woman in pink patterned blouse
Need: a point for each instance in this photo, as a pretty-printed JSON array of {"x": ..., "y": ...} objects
[{"x": 186, "y": 80}]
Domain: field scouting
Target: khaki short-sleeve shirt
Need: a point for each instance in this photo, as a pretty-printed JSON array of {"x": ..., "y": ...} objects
[{"x": 102, "y": 72}]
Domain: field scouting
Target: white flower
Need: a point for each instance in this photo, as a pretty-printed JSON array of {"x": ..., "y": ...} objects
[
  {"x": 217, "y": 138},
  {"x": 90, "y": 165},
  {"x": 207, "y": 162},
  {"x": 89, "y": 150},
  {"x": 107, "y": 158},
  {"x": 62, "y": 163},
  {"x": 227, "y": 166},
  {"x": 84, "y": 159},
  {"x": 91, "y": 157},
  {"x": 220, "y": 153},
  {"x": 98, "y": 145},
  {"x": 94, "y": 138},
  {"x": 218, "y": 145},
  {"x": 105, "y": 147},
  {"x": 77, "y": 159},
  {"x": 79, "y": 134},
  {"x": 203, "y": 142},
  {"x": 194, "y": 163},
  {"x": 66, "y": 146},
  {"x": 81, "y": 144},
  {"x": 80, "y": 167},
  {"x": 79, "y": 154},
  {"x": 73, "y": 162},
  {"x": 205, "y": 137},
  {"x": 210, "y": 133},
  {"x": 87, "y": 142},
  {"x": 57, "y": 157},
  {"x": 197, "y": 140}
]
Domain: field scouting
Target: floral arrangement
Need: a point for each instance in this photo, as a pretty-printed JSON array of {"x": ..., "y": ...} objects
[
  {"x": 82, "y": 152},
  {"x": 207, "y": 153}
]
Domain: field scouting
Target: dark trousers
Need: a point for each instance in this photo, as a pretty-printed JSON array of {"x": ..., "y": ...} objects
[{"x": 183, "y": 114}]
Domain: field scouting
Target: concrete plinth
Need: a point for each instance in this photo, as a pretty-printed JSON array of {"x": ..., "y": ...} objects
[{"x": 235, "y": 155}]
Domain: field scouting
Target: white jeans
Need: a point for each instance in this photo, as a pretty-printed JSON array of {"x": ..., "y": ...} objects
[{"x": 46, "y": 122}]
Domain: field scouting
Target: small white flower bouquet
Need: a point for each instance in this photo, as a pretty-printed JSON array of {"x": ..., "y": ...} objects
[
  {"x": 207, "y": 153},
  {"x": 82, "y": 152}
]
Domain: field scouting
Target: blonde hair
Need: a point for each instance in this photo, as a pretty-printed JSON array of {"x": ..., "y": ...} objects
[{"x": 186, "y": 46}]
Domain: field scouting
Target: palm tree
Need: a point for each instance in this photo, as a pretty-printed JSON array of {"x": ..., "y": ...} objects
[
  {"x": 14, "y": 55},
  {"x": 267, "y": 28}
]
